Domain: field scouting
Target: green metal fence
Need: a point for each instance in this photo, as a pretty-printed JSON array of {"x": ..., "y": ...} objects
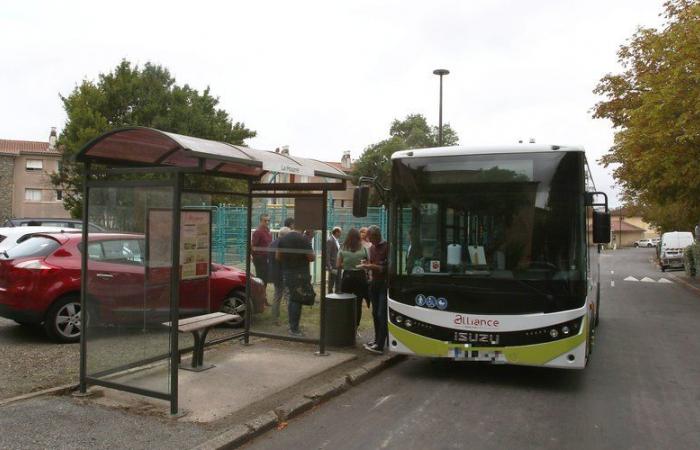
[{"x": 229, "y": 229}]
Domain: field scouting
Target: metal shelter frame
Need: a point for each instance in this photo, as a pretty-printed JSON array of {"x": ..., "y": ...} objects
[{"x": 143, "y": 151}]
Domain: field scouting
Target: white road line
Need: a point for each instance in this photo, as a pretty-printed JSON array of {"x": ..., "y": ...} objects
[
  {"x": 665, "y": 280},
  {"x": 631, "y": 279},
  {"x": 612, "y": 283},
  {"x": 381, "y": 400},
  {"x": 648, "y": 280},
  {"x": 612, "y": 272}
]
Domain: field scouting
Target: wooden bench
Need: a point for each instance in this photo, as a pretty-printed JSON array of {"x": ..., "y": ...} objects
[{"x": 199, "y": 326}]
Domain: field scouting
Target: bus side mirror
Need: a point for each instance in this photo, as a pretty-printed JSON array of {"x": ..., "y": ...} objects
[
  {"x": 601, "y": 227},
  {"x": 360, "y": 198}
]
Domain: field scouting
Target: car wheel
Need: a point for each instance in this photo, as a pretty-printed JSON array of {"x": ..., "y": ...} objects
[
  {"x": 636, "y": 245},
  {"x": 663, "y": 268},
  {"x": 234, "y": 304},
  {"x": 649, "y": 246},
  {"x": 62, "y": 322}
]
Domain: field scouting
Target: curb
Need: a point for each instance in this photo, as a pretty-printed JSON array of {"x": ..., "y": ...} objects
[
  {"x": 58, "y": 390},
  {"x": 241, "y": 434}
]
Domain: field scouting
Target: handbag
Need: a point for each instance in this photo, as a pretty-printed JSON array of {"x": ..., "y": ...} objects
[{"x": 301, "y": 291}]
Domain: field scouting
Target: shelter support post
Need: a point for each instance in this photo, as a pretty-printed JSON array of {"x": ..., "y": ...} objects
[
  {"x": 83, "y": 282},
  {"x": 324, "y": 239},
  {"x": 248, "y": 302},
  {"x": 175, "y": 293}
]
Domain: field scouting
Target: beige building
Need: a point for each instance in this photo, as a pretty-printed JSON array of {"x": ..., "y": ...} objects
[
  {"x": 25, "y": 187},
  {"x": 628, "y": 227}
]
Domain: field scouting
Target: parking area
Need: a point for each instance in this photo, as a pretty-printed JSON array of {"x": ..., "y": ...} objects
[{"x": 31, "y": 362}]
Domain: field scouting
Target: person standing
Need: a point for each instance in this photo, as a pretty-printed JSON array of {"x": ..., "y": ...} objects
[
  {"x": 366, "y": 244},
  {"x": 354, "y": 279},
  {"x": 332, "y": 247},
  {"x": 364, "y": 239},
  {"x": 262, "y": 238},
  {"x": 275, "y": 274},
  {"x": 377, "y": 266},
  {"x": 294, "y": 254}
]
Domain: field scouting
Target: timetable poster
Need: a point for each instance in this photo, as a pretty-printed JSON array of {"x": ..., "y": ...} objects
[{"x": 195, "y": 238}]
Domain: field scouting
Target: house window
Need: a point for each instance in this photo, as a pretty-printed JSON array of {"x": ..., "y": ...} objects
[
  {"x": 32, "y": 195},
  {"x": 35, "y": 165},
  {"x": 59, "y": 194}
]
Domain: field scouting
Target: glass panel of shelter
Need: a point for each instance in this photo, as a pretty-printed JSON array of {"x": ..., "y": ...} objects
[
  {"x": 129, "y": 272},
  {"x": 286, "y": 246}
]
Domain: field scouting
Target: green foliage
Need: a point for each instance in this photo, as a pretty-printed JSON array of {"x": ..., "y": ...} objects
[
  {"x": 412, "y": 132},
  {"x": 654, "y": 104},
  {"x": 133, "y": 96},
  {"x": 690, "y": 259}
]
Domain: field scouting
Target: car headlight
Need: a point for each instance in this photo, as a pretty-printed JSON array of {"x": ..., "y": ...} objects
[{"x": 257, "y": 280}]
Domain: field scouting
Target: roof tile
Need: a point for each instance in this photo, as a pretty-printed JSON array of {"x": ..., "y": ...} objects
[{"x": 13, "y": 147}]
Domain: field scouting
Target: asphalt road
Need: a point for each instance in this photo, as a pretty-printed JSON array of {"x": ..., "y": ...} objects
[{"x": 640, "y": 390}]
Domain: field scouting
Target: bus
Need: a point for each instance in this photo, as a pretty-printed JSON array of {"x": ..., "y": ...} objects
[{"x": 494, "y": 254}]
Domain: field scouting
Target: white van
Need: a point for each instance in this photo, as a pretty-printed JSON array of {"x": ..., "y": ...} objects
[{"x": 672, "y": 245}]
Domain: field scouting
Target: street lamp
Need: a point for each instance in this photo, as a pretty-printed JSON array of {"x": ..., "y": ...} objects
[{"x": 440, "y": 73}]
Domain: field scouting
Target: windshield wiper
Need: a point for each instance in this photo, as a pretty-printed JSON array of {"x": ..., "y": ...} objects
[{"x": 4, "y": 252}]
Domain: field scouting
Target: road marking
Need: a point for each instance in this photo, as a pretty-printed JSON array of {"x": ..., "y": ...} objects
[
  {"x": 665, "y": 280},
  {"x": 648, "y": 280},
  {"x": 631, "y": 279},
  {"x": 612, "y": 283},
  {"x": 381, "y": 400},
  {"x": 612, "y": 272}
]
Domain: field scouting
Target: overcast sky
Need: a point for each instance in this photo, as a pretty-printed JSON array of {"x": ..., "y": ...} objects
[{"x": 323, "y": 77}]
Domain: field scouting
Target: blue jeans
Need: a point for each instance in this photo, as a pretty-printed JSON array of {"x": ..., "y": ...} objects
[
  {"x": 294, "y": 312},
  {"x": 291, "y": 281},
  {"x": 377, "y": 297}
]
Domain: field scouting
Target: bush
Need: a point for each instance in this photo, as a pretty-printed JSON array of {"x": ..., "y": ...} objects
[{"x": 690, "y": 259}]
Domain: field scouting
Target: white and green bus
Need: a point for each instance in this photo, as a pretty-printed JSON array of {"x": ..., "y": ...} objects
[{"x": 491, "y": 257}]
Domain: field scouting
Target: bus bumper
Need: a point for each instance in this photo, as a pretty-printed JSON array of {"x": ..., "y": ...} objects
[{"x": 569, "y": 353}]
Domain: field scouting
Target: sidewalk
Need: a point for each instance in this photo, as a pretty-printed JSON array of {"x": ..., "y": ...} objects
[
  {"x": 690, "y": 283},
  {"x": 252, "y": 390}
]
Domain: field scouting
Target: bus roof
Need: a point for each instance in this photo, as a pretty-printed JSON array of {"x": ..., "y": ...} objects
[{"x": 486, "y": 150}]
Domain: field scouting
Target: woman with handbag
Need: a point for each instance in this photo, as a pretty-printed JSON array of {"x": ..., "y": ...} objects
[{"x": 354, "y": 280}]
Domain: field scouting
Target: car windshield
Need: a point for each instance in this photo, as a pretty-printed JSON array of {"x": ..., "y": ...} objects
[{"x": 36, "y": 246}]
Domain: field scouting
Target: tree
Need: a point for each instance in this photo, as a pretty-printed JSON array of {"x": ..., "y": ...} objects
[
  {"x": 412, "y": 132},
  {"x": 131, "y": 96},
  {"x": 654, "y": 106}
]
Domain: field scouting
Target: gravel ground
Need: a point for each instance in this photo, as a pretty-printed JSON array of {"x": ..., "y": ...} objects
[{"x": 31, "y": 362}]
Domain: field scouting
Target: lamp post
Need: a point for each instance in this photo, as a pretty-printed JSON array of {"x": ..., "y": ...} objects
[{"x": 440, "y": 73}]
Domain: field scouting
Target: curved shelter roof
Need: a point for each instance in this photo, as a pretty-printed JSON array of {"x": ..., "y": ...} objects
[{"x": 140, "y": 146}]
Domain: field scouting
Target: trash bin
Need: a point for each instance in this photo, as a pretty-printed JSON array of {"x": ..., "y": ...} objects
[{"x": 340, "y": 319}]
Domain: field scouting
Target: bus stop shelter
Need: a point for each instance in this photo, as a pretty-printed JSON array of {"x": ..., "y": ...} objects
[{"x": 153, "y": 191}]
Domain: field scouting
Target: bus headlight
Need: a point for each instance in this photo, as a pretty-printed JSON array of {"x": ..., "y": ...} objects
[
  {"x": 554, "y": 333},
  {"x": 408, "y": 323},
  {"x": 565, "y": 329},
  {"x": 399, "y": 319}
]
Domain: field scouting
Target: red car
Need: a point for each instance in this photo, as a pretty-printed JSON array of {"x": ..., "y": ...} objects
[{"x": 40, "y": 283}]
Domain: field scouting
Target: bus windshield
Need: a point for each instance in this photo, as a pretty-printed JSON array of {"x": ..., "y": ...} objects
[{"x": 505, "y": 230}]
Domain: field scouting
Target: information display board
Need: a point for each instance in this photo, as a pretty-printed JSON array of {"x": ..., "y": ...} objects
[{"x": 195, "y": 241}]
